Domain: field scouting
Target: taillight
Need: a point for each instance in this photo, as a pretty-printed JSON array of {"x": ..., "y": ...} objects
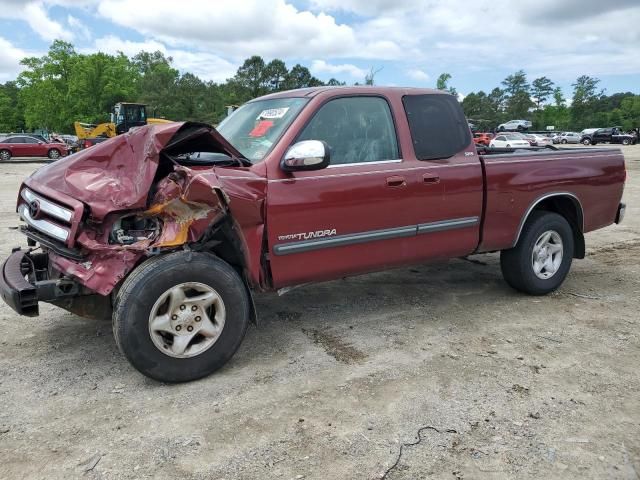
[{"x": 87, "y": 144}]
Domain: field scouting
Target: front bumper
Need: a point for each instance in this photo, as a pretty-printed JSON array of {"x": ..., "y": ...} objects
[
  {"x": 24, "y": 283},
  {"x": 19, "y": 294}
]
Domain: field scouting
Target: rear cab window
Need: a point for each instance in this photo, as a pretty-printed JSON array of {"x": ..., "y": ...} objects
[{"x": 437, "y": 124}]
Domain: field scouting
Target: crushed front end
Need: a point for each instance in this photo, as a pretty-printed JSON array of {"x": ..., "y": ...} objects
[{"x": 90, "y": 221}]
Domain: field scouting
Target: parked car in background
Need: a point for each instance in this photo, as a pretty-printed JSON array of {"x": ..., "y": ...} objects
[
  {"x": 515, "y": 125},
  {"x": 542, "y": 140},
  {"x": 482, "y": 138},
  {"x": 567, "y": 137},
  {"x": 608, "y": 135},
  {"x": 509, "y": 140},
  {"x": 587, "y": 131},
  {"x": 28, "y": 146},
  {"x": 529, "y": 138}
]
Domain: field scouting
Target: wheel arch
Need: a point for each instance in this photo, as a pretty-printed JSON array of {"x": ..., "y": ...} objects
[{"x": 563, "y": 203}]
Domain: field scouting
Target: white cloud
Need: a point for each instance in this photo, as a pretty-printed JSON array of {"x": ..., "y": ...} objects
[
  {"x": 78, "y": 26},
  {"x": 35, "y": 14},
  {"x": 10, "y": 57},
  {"x": 205, "y": 65},
  {"x": 321, "y": 66},
  {"x": 271, "y": 28},
  {"x": 417, "y": 74}
]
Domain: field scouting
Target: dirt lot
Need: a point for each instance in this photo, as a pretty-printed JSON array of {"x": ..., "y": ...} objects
[{"x": 337, "y": 376}]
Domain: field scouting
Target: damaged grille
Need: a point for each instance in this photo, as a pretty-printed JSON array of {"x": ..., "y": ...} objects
[{"x": 45, "y": 216}]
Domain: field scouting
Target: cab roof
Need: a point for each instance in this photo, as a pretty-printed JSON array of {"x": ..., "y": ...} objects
[{"x": 356, "y": 90}]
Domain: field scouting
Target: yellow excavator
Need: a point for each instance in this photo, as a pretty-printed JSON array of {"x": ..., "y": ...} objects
[{"x": 123, "y": 117}]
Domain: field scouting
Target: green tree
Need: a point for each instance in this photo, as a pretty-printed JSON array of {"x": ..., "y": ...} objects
[
  {"x": 275, "y": 73},
  {"x": 585, "y": 97},
  {"x": 300, "y": 77},
  {"x": 442, "y": 83},
  {"x": 541, "y": 90},
  {"x": 518, "y": 101},
  {"x": 11, "y": 118},
  {"x": 156, "y": 83}
]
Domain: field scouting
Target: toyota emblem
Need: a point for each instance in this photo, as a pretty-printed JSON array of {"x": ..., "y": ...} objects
[{"x": 34, "y": 209}]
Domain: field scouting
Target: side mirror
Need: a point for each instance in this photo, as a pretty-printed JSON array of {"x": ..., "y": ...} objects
[{"x": 306, "y": 155}]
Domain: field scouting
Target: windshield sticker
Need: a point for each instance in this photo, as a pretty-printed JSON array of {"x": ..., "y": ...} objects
[
  {"x": 273, "y": 113},
  {"x": 261, "y": 128}
]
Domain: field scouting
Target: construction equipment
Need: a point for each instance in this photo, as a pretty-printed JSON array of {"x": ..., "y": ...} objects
[{"x": 123, "y": 117}]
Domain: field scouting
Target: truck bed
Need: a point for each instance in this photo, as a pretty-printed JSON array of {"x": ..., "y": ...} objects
[{"x": 516, "y": 181}]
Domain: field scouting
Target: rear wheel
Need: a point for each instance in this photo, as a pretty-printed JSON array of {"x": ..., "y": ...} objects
[
  {"x": 54, "y": 154},
  {"x": 5, "y": 155},
  {"x": 508, "y": 146},
  {"x": 541, "y": 260},
  {"x": 626, "y": 141},
  {"x": 181, "y": 317}
]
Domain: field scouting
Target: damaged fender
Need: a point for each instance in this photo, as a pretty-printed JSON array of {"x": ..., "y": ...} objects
[{"x": 141, "y": 202}]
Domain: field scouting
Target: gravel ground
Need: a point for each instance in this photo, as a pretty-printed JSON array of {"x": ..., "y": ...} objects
[{"x": 337, "y": 376}]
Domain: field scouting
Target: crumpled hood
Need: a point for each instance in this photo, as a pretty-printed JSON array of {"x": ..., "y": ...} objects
[{"x": 118, "y": 174}]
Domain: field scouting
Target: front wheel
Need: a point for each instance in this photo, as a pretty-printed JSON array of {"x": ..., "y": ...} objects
[
  {"x": 53, "y": 154},
  {"x": 626, "y": 141},
  {"x": 564, "y": 141},
  {"x": 541, "y": 259},
  {"x": 586, "y": 141},
  {"x": 181, "y": 317}
]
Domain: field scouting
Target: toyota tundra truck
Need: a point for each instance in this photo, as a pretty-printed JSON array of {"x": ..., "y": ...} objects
[{"x": 171, "y": 229}]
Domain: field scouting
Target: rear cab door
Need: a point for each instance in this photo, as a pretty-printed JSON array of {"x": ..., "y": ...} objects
[{"x": 447, "y": 180}]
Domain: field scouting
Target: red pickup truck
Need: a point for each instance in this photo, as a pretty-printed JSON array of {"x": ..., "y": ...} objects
[{"x": 170, "y": 228}]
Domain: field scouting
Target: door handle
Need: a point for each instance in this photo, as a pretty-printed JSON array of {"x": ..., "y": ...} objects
[
  {"x": 430, "y": 178},
  {"x": 396, "y": 181}
]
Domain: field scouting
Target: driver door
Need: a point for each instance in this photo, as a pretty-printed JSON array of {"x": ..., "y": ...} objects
[{"x": 352, "y": 216}]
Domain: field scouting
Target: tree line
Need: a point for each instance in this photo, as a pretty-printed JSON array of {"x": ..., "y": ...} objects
[
  {"x": 542, "y": 102},
  {"x": 64, "y": 86}
]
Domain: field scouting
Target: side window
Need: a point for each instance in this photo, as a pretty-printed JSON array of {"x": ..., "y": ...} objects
[
  {"x": 30, "y": 140},
  {"x": 437, "y": 124},
  {"x": 357, "y": 130},
  {"x": 501, "y": 138},
  {"x": 15, "y": 140}
]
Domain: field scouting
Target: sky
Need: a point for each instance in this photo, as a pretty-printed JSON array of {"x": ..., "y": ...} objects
[{"x": 409, "y": 42}]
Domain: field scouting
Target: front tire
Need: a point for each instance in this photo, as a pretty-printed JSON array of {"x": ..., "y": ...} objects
[
  {"x": 586, "y": 141},
  {"x": 626, "y": 141},
  {"x": 541, "y": 260},
  {"x": 53, "y": 154},
  {"x": 564, "y": 141},
  {"x": 181, "y": 316}
]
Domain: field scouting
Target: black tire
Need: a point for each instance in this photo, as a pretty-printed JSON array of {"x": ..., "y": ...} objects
[
  {"x": 501, "y": 129},
  {"x": 626, "y": 141},
  {"x": 5, "y": 155},
  {"x": 508, "y": 146},
  {"x": 517, "y": 263},
  {"x": 147, "y": 283},
  {"x": 519, "y": 128},
  {"x": 54, "y": 154},
  {"x": 563, "y": 141},
  {"x": 586, "y": 141}
]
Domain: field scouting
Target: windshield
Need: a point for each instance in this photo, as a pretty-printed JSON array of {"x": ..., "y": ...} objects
[{"x": 255, "y": 127}]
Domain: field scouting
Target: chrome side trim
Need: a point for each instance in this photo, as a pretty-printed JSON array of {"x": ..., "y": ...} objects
[
  {"x": 373, "y": 235},
  {"x": 447, "y": 225},
  {"x": 47, "y": 206},
  {"x": 342, "y": 240},
  {"x": 377, "y": 162},
  {"x": 43, "y": 226},
  {"x": 540, "y": 199}
]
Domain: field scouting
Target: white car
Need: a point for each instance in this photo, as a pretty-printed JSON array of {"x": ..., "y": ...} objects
[
  {"x": 569, "y": 137},
  {"x": 515, "y": 125},
  {"x": 543, "y": 141},
  {"x": 508, "y": 140}
]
